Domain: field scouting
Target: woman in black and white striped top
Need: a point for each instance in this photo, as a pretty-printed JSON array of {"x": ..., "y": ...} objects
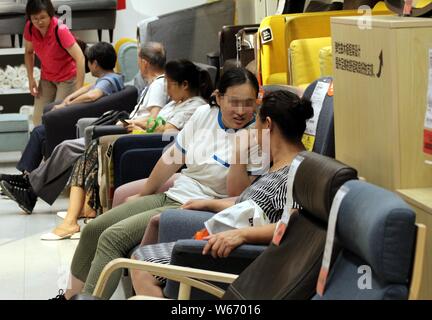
[{"x": 282, "y": 118}]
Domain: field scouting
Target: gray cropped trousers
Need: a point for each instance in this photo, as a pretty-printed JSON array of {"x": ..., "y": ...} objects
[{"x": 52, "y": 176}]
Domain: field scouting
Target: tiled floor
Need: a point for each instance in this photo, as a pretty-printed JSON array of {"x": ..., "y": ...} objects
[{"x": 31, "y": 269}]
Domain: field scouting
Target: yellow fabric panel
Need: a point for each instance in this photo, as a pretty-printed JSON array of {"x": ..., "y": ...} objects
[
  {"x": 117, "y": 47},
  {"x": 277, "y": 78},
  {"x": 286, "y": 28},
  {"x": 380, "y": 6},
  {"x": 421, "y": 3},
  {"x": 273, "y": 56},
  {"x": 326, "y": 61},
  {"x": 304, "y": 59}
]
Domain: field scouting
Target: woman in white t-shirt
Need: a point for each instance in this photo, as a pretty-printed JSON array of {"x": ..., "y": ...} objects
[
  {"x": 204, "y": 145},
  {"x": 188, "y": 88}
]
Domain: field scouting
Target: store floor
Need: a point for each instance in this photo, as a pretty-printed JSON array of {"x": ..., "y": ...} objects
[{"x": 31, "y": 269}]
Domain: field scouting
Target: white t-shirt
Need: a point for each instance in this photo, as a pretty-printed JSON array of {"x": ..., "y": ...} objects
[
  {"x": 155, "y": 95},
  {"x": 207, "y": 146},
  {"x": 178, "y": 115}
]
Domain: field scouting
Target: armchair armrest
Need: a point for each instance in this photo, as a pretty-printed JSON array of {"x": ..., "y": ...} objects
[
  {"x": 188, "y": 277},
  {"x": 181, "y": 224},
  {"x": 60, "y": 124},
  {"x": 136, "y": 155},
  {"x": 101, "y": 131},
  {"x": 188, "y": 253}
]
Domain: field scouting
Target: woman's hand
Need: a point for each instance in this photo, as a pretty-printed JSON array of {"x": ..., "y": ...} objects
[
  {"x": 59, "y": 106},
  {"x": 198, "y": 205},
  {"x": 68, "y": 99},
  {"x": 34, "y": 88},
  {"x": 221, "y": 245},
  {"x": 133, "y": 127},
  {"x": 244, "y": 142}
]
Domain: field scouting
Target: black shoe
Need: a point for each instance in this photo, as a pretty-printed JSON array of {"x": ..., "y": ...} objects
[
  {"x": 60, "y": 296},
  {"x": 25, "y": 198},
  {"x": 16, "y": 180}
]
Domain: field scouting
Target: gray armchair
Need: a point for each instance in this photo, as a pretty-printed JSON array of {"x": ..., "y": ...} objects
[
  {"x": 91, "y": 15},
  {"x": 376, "y": 231},
  {"x": 12, "y": 19}
]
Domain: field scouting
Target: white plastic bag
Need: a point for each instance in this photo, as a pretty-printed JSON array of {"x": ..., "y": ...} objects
[{"x": 243, "y": 215}]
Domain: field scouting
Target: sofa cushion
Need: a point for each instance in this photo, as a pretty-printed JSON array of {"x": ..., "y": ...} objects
[
  {"x": 13, "y": 123},
  {"x": 85, "y": 5}
]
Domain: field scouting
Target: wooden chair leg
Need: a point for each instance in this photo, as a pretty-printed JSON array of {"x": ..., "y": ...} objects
[
  {"x": 111, "y": 35},
  {"x": 12, "y": 37}
]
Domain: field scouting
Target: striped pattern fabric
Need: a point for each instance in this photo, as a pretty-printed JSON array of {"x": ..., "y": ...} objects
[{"x": 269, "y": 192}]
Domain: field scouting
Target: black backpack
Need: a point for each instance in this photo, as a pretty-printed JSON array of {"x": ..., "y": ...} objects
[{"x": 81, "y": 44}]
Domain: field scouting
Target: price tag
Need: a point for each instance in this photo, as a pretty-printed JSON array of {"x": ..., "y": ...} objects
[
  {"x": 288, "y": 210},
  {"x": 428, "y": 118},
  {"x": 322, "y": 89},
  {"x": 331, "y": 232},
  {"x": 266, "y": 35}
]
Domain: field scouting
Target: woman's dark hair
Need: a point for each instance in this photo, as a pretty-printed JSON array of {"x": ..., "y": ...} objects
[
  {"x": 288, "y": 111},
  {"x": 235, "y": 77},
  {"x": 198, "y": 79},
  {"x": 35, "y": 6},
  {"x": 104, "y": 54}
]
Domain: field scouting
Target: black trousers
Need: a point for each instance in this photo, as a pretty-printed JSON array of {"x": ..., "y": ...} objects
[{"x": 34, "y": 151}]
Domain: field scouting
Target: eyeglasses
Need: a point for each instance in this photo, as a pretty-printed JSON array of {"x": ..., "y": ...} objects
[{"x": 237, "y": 102}]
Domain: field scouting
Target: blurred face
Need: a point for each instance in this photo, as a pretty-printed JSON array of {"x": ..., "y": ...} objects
[
  {"x": 176, "y": 91},
  {"x": 41, "y": 20},
  {"x": 238, "y": 105},
  {"x": 142, "y": 65},
  {"x": 93, "y": 68}
]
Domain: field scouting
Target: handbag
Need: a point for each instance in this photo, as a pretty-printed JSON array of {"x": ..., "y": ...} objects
[
  {"x": 110, "y": 118},
  {"x": 242, "y": 215}
]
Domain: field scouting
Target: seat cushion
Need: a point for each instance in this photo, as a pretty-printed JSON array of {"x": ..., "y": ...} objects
[
  {"x": 343, "y": 283},
  {"x": 85, "y": 5},
  {"x": 13, "y": 123},
  {"x": 277, "y": 78},
  {"x": 7, "y": 9},
  {"x": 304, "y": 59}
]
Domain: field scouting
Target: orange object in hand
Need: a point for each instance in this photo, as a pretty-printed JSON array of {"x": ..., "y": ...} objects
[{"x": 200, "y": 235}]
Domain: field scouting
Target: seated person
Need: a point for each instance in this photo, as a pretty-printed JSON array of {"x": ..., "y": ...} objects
[
  {"x": 49, "y": 179},
  {"x": 188, "y": 87},
  {"x": 283, "y": 116},
  {"x": 204, "y": 145}
]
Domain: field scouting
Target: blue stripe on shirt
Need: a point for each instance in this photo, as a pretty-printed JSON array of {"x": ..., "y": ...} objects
[
  {"x": 180, "y": 147},
  {"x": 225, "y": 164}
]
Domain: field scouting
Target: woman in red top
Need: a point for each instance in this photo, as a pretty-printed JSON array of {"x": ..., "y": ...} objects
[{"x": 62, "y": 60}]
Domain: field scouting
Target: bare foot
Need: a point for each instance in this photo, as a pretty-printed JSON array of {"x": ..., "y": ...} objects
[{"x": 66, "y": 229}]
